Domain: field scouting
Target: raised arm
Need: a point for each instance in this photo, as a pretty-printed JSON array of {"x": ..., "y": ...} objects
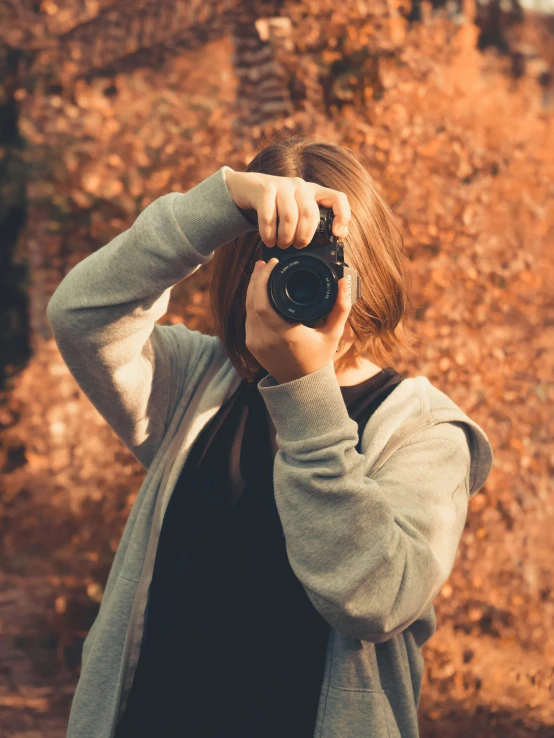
[
  {"x": 103, "y": 314},
  {"x": 371, "y": 551}
]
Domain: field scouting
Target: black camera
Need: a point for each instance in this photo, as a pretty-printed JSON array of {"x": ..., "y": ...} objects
[{"x": 303, "y": 286}]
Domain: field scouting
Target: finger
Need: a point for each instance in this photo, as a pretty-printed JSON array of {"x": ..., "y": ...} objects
[
  {"x": 260, "y": 300},
  {"x": 267, "y": 215},
  {"x": 287, "y": 212},
  {"x": 250, "y": 324},
  {"x": 338, "y": 315},
  {"x": 336, "y": 200},
  {"x": 250, "y": 289},
  {"x": 259, "y": 296},
  {"x": 309, "y": 215}
]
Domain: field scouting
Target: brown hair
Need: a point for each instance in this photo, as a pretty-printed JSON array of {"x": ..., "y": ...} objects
[{"x": 374, "y": 247}]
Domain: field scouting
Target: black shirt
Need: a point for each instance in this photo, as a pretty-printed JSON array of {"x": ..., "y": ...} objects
[{"x": 232, "y": 646}]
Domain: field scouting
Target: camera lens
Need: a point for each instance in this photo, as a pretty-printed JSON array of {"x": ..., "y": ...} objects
[{"x": 303, "y": 286}]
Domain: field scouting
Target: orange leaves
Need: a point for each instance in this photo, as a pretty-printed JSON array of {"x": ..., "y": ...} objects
[{"x": 466, "y": 162}]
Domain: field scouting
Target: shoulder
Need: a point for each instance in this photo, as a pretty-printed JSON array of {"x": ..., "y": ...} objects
[{"x": 418, "y": 417}]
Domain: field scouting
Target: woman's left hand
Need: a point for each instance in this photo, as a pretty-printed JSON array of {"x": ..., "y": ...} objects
[{"x": 285, "y": 349}]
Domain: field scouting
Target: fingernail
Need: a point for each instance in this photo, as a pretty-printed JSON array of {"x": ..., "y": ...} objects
[
  {"x": 259, "y": 264},
  {"x": 273, "y": 261}
]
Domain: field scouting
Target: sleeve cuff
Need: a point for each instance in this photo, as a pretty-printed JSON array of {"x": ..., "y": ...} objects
[
  {"x": 208, "y": 216},
  {"x": 306, "y": 407}
]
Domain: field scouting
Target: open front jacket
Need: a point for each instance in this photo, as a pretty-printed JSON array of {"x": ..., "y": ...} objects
[{"x": 372, "y": 537}]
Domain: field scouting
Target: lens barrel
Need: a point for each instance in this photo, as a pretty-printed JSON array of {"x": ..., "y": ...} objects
[{"x": 303, "y": 287}]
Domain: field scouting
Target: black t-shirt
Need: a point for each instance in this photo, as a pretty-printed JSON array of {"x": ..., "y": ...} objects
[{"x": 232, "y": 646}]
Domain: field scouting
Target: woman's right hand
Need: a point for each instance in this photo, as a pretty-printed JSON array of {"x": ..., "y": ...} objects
[{"x": 290, "y": 203}]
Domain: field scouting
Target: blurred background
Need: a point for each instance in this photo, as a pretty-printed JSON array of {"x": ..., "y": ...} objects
[{"x": 105, "y": 106}]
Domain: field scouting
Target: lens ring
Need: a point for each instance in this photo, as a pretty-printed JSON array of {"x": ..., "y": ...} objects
[{"x": 281, "y": 276}]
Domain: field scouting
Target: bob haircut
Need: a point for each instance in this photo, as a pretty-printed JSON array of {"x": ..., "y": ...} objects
[{"x": 374, "y": 247}]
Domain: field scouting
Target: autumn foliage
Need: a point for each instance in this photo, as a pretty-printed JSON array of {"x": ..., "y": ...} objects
[{"x": 462, "y": 149}]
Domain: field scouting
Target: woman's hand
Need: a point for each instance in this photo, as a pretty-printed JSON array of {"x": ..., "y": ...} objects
[
  {"x": 288, "y": 214},
  {"x": 289, "y": 350},
  {"x": 292, "y": 201}
]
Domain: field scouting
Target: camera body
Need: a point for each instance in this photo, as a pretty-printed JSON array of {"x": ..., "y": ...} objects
[{"x": 303, "y": 286}]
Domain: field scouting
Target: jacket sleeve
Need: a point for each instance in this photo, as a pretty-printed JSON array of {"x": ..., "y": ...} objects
[
  {"x": 103, "y": 314},
  {"x": 370, "y": 551}
]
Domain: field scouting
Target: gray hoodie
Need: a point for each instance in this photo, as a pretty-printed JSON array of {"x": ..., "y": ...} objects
[{"x": 372, "y": 537}]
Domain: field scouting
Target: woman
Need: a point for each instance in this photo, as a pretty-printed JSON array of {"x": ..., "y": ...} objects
[{"x": 302, "y": 505}]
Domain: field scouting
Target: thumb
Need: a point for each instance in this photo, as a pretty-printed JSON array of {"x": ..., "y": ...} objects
[{"x": 338, "y": 315}]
